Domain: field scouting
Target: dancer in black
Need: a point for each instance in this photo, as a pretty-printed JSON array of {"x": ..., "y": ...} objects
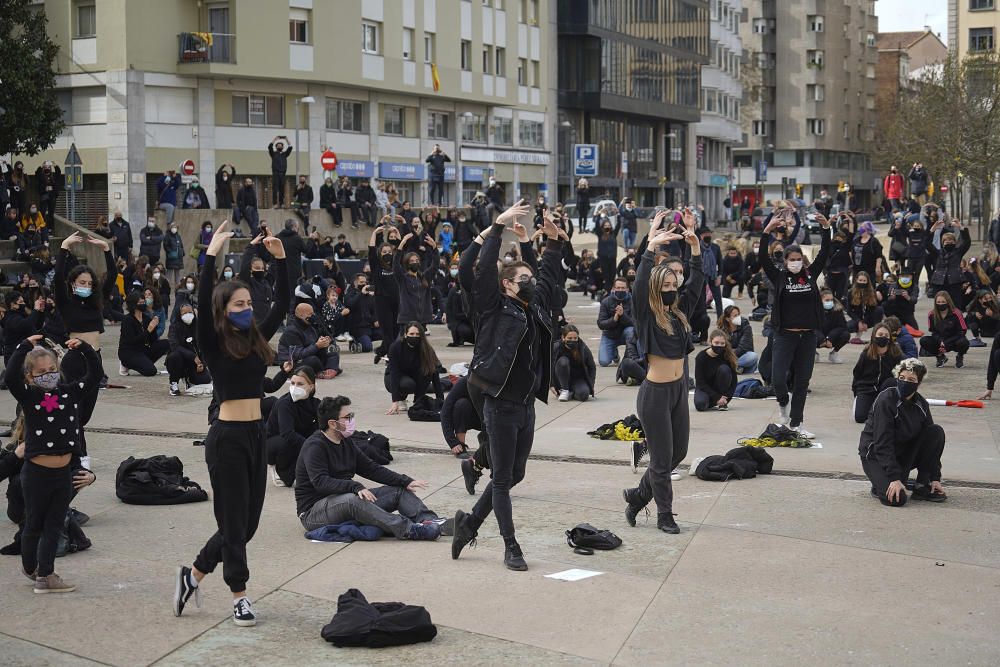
[
  {"x": 512, "y": 366},
  {"x": 237, "y": 353},
  {"x": 664, "y": 333}
]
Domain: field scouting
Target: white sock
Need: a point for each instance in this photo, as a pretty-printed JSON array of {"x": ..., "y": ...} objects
[{"x": 192, "y": 581}]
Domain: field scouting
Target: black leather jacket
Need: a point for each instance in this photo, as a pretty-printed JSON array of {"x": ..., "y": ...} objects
[{"x": 502, "y": 324}]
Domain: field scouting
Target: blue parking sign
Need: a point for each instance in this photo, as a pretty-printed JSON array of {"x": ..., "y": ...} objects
[{"x": 585, "y": 160}]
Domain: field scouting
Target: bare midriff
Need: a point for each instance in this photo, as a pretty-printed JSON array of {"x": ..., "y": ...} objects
[
  {"x": 91, "y": 338},
  {"x": 662, "y": 369},
  {"x": 52, "y": 460},
  {"x": 240, "y": 410}
]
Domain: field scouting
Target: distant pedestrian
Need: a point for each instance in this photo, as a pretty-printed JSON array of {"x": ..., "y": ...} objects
[{"x": 279, "y": 167}]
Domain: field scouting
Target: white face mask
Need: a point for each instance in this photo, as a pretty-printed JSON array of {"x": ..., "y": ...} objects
[
  {"x": 190, "y": 287},
  {"x": 737, "y": 320},
  {"x": 297, "y": 393},
  {"x": 795, "y": 265},
  {"x": 187, "y": 318},
  {"x": 156, "y": 275}
]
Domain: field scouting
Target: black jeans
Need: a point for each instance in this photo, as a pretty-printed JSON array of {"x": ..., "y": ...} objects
[
  {"x": 482, "y": 455},
  {"x": 865, "y": 399},
  {"x": 716, "y": 296},
  {"x": 837, "y": 283},
  {"x": 335, "y": 213},
  {"x": 409, "y": 385},
  {"x": 720, "y": 384},
  {"x": 436, "y": 186},
  {"x": 283, "y": 455},
  {"x": 930, "y": 345},
  {"x": 386, "y": 312},
  {"x": 462, "y": 333},
  {"x": 180, "y": 367},
  {"x": 793, "y": 351},
  {"x": 144, "y": 361},
  {"x": 662, "y": 408},
  {"x": 579, "y": 389},
  {"x": 923, "y": 453},
  {"x": 237, "y": 467},
  {"x": 511, "y": 427},
  {"x": 277, "y": 188},
  {"x": 465, "y": 418},
  {"x": 47, "y": 493}
]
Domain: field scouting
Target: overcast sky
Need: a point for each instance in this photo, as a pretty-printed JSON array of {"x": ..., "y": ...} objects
[{"x": 900, "y": 15}]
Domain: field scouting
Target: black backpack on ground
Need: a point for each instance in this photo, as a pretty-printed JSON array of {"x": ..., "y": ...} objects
[
  {"x": 158, "y": 480},
  {"x": 425, "y": 409},
  {"x": 377, "y": 624},
  {"x": 584, "y": 538},
  {"x": 374, "y": 445}
]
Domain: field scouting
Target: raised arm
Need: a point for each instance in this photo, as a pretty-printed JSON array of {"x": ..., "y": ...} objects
[{"x": 282, "y": 292}]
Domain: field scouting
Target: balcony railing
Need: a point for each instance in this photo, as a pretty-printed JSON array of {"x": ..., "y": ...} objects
[{"x": 206, "y": 47}]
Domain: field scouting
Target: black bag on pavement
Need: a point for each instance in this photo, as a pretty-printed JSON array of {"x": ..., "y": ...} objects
[
  {"x": 158, "y": 480},
  {"x": 425, "y": 409},
  {"x": 377, "y": 624},
  {"x": 374, "y": 445},
  {"x": 584, "y": 538}
]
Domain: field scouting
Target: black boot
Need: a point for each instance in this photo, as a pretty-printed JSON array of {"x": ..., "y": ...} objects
[
  {"x": 471, "y": 475},
  {"x": 512, "y": 556},
  {"x": 665, "y": 522},
  {"x": 466, "y": 529},
  {"x": 14, "y": 548},
  {"x": 635, "y": 505}
]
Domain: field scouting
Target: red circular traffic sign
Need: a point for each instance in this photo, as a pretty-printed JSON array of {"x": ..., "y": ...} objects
[
  {"x": 328, "y": 160},
  {"x": 187, "y": 167}
]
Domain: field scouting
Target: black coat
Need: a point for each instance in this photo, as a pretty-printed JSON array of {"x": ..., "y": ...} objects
[
  {"x": 606, "y": 317},
  {"x": 122, "y": 233},
  {"x": 585, "y": 366},
  {"x": 224, "y": 188},
  {"x": 150, "y": 243}
]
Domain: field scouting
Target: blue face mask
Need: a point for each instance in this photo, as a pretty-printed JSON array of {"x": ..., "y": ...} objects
[
  {"x": 83, "y": 292},
  {"x": 906, "y": 388},
  {"x": 241, "y": 319}
]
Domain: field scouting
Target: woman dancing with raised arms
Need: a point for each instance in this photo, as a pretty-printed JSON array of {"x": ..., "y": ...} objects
[
  {"x": 236, "y": 350},
  {"x": 664, "y": 335}
]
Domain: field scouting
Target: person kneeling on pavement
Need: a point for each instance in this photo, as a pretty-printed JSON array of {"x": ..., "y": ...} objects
[
  {"x": 302, "y": 344},
  {"x": 575, "y": 372},
  {"x": 900, "y": 435},
  {"x": 326, "y": 492}
]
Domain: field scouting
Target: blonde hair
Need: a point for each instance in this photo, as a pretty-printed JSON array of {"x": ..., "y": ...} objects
[{"x": 664, "y": 314}]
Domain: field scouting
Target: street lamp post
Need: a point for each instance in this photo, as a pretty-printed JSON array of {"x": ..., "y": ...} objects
[
  {"x": 298, "y": 149},
  {"x": 759, "y": 174}
]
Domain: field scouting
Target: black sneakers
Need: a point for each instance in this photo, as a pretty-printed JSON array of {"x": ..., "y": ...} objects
[
  {"x": 243, "y": 613},
  {"x": 923, "y": 492},
  {"x": 184, "y": 588},
  {"x": 638, "y": 451},
  {"x": 941, "y": 360},
  {"x": 959, "y": 361},
  {"x": 512, "y": 556},
  {"x": 665, "y": 522},
  {"x": 633, "y": 508},
  {"x": 471, "y": 475},
  {"x": 466, "y": 528}
]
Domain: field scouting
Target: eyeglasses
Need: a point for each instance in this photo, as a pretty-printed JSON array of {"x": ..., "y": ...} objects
[
  {"x": 349, "y": 416},
  {"x": 524, "y": 280}
]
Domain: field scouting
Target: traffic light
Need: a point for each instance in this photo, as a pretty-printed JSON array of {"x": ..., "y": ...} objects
[{"x": 798, "y": 190}]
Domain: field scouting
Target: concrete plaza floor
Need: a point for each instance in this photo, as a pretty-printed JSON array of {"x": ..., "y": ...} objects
[{"x": 800, "y": 566}]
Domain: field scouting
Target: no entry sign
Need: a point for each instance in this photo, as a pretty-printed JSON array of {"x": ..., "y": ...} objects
[
  {"x": 328, "y": 161},
  {"x": 187, "y": 168}
]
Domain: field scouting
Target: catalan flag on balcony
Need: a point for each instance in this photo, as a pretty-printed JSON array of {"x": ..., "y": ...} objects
[{"x": 435, "y": 77}]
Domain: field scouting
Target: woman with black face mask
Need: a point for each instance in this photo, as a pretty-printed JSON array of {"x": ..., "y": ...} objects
[
  {"x": 900, "y": 435},
  {"x": 575, "y": 371},
  {"x": 411, "y": 368},
  {"x": 873, "y": 372},
  {"x": 139, "y": 347},
  {"x": 383, "y": 279},
  {"x": 946, "y": 332},
  {"x": 715, "y": 374},
  {"x": 415, "y": 267}
]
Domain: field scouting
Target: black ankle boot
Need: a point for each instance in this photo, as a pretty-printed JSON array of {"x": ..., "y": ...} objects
[
  {"x": 635, "y": 505},
  {"x": 665, "y": 522},
  {"x": 466, "y": 527},
  {"x": 512, "y": 556}
]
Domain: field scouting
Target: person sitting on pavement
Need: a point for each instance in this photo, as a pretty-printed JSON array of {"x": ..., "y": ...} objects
[
  {"x": 302, "y": 344},
  {"x": 615, "y": 321},
  {"x": 901, "y": 336},
  {"x": 873, "y": 372},
  {"x": 292, "y": 420},
  {"x": 139, "y": 346},
  {"x": 945, "y": 332},
  {"x": 832, "y": 333},
  {"x": 983, "y": 317},
  {"x": 184, "y": 360},
  {"x": 574, "y": 370},
  {"x": 862, "y": 306},
  {"x": 740, "y": 334},
  {"x": 411, "y": 369},
  {"x": 458, "y": 417},
  {"x": 715, "y": 374},
  {"x": 326, "y": 492},
  {"x": 900, "y": 435}
]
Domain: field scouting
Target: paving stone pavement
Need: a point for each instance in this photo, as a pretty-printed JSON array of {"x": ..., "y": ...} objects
[{"x": 781, "y": 569}]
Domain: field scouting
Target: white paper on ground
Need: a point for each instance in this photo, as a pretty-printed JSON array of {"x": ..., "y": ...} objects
[{"x": 574, "y": 574}]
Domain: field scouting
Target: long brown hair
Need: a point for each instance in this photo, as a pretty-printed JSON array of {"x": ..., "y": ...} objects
[
  {"x": 935, "y": 313},
  {"x": 859, "y": 295},
  {"x": 724, "y": 321},
  {"x": 234, "y": 343},
  {"x": 728, "y": 355},
  {"x": 575, "y": 353},
  {"x": 663, "y": 313},
  {"x": 428, "y": 357},
  {"x": 871, "y": 351}
]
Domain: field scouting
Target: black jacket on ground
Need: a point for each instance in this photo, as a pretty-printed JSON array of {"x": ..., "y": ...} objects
[{"x": 377, "y": 624}]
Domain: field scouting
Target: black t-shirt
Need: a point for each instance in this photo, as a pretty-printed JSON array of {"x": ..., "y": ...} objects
[{"x": 798, "y": 302}]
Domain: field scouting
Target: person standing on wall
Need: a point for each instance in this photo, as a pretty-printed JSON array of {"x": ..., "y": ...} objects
[
  {"x": 435, "y": 174},
  {"x": 279, "y": 167}
]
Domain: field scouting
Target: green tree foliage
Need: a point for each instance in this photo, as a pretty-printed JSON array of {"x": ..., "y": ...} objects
[{"x": 30, "y": 117}]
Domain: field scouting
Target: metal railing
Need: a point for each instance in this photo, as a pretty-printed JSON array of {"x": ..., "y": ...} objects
[{"x": 206, "y": 47}]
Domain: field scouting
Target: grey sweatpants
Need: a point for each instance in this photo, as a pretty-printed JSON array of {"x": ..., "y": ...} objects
[
  {"x": 382, "y": 513},
  {"x": 662, "y": 408}
]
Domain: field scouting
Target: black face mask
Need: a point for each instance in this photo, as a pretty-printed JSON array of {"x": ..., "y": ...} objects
[
  {"x": 413, "y": 266},
  {"x": 943, "y": 307},
  {"x": 393, "y": 241},
  {"x": 948, "y": 246},
  {"x": 906, "y": 388},
  {"x": 881, "y": 341},
  {"x": 526, "y": 291},
  {"x": 778, "y": 256},
  {"x": 719, "y": 350},
  {"x": 386, "y": 260},
  {"x": 412, "y": 341},
  {"x": 669, "y": 297},
  {"x": 570, "y": 344},
  {"x": 621, "y": 295},
  {"x": 259, "y": 275},
  {"x": 707, "y": 239}
]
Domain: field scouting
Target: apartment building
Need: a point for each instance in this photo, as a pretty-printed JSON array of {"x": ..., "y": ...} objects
[
  {"x": 630, "y": 82},
  {"x": 973, "y": 26},
  {"x": 809, "y": 103},
  {"x": 146, "y": 85},
  {"x": 721, "y": 96}
]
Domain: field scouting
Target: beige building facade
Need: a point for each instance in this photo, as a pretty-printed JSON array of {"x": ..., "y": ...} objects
[
  {"x": 973, "y": 26},
  {"x": 146, "y": 85}
]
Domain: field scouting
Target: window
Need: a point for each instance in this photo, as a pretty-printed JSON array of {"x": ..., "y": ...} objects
[
  {"x": 466, "y": 53},
  {"x": 268, "y": 110},
  {"x": 298, "y": 26},
  {"x": 487, "y": 59},
  {"x": 346, "y": 115},
  {"x": 536, "y": 74},
  {"x": 847, "y": 130},
  {"x": 815, "y": 22},
  {"x": 474, "y": 127},
  {"x": 814, "y": 58},
  {"x": 438, "y": 125},
  {"x": 760, "y": 128},
  {"x": 86, "y": 20},
  {"x": 522, "y": 72},
  {"x": 816, "y": 126},
  {"x": 531, "y": 133},
  {"x": 428, "y": 48},
  {"x": 407, "y": 43},
  {"x": 980, "y": 40},
  {"x": 869, "y": 102},
  {"x": 815, "y": 92},
  {"x": 765, "y": 60},
  {"x": 393, "y": 119},
  {"x": 977, "y": 5},
  {"x": 501, "y": 68},
  {"x": 503, "y": 131},
  {"x": 870, "y": 39},
  {"x": 870, "y": 71},
  {"x": 370, "y": 42},
  {"x": 709, "y": 100},
  {"x": 763, "y": 26}
]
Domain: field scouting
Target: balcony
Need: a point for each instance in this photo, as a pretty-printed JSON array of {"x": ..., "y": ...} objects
[{"x": 206, "y": 47}]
